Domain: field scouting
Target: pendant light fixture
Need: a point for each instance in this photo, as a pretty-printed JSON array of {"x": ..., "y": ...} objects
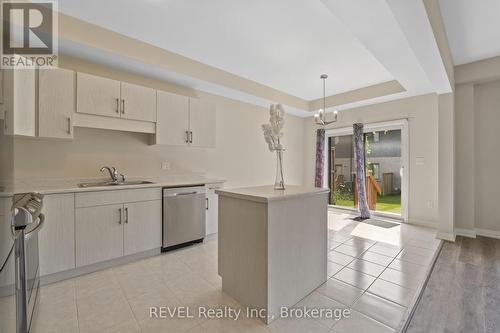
[{"x": 320, "y": 116}]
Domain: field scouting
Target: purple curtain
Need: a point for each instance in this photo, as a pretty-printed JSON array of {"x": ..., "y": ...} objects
[
  {"x": 359, "y": 155},
  {"x": 320, "y": 157}
]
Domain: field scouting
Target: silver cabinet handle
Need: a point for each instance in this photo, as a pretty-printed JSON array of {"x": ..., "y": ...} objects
[
  {"x": 120, "y": 211},
  {"x": 206, "y": 200},
  {"x": 190, "y": 136},
  {"x": 118, "y": 105},
  {"x": 123, "y": 106},
  {"x": 187, "y": 136},
  {"x": 126, "y": 214},
  {"x": 69, "y": 125}
]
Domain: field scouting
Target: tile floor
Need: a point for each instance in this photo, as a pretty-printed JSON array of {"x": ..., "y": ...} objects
[{"x": 373, "y": 271}]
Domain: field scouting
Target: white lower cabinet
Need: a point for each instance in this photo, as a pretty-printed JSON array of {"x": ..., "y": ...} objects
[
  {"x": 142, "y": 227},
  {"x": 56, "y": 239},
  {"x": 99, "y": 234},
  {"x": 212, "y": 216},
  {"x": 111, "y": 224}
]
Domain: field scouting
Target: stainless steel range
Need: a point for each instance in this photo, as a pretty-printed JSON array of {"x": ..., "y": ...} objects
[{"x": 19, "y": 267}]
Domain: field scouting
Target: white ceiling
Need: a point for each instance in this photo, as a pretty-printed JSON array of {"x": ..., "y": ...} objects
[
  {"x": 473, "y": 28},
  {"x": 284, "y": 44}
]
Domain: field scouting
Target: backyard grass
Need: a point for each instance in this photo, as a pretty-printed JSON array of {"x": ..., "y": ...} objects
[{"x": 388, "y": 203}]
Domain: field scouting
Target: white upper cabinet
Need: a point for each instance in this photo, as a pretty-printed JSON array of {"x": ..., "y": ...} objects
[
  {"x": 56, "y": 103},
  {"x": 19, "y": 102},
  {"x": 184, "y": 121},
  {"x": 98, "y": 95},
  {"x": 202, "y": 123},
  {"x": 138, "y": 102},
  {"x": 173, "y": 119}
]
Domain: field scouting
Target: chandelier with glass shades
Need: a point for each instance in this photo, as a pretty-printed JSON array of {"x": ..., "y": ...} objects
[{"x": 320, "y": 118}]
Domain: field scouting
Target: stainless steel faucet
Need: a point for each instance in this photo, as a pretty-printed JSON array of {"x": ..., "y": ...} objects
[{"x": 113, "y": 173}]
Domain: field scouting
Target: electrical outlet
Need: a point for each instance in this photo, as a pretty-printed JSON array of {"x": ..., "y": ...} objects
[{"x": 165, "y": 165}]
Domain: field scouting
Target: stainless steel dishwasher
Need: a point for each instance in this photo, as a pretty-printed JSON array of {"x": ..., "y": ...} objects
[{"x": 183, "y": 216}]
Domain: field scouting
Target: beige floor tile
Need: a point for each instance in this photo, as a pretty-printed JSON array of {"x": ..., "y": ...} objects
[
  {"x": 340, "y": 291},
  {"x": 382, "y": 310},
  {"x": 366, "y": 267},
  {"x": 102, "y": 311},
  {"x": 358, "y": 322},
  {"x": 118, "y": 299},
  {"x": 384, "y": 250},
  {"x": 409, "y": 280},
  {"x": 296, "y": 326},
  {"x": 95, "y": 283},
  {"x": 353, "y": 251},
  {"x": 339, "y": 258},
  {"x": 56, "y": 317},
  {"x": 355, "y": 278},
  {"x": 332, "y": 268},
  {"x": 142, "y": 304},
  {"x": 393, "y": 292},
  {"x": 315, "y": 300},
  {"x": 414, "y": 258},
  {"x": 376, "y": 258},
  {"x": 360, "y": 242},
  {"x": 408, "y": 267}
]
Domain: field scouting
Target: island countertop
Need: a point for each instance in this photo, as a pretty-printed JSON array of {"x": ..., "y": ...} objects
[{"x": 268, "y": 193}]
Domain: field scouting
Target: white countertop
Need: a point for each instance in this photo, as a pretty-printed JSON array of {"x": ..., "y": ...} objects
[
  {"x": 71, "y": 186},
  {"x": 268, "y": 193}
]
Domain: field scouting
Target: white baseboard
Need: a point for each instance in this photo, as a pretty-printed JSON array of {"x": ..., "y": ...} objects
[
  {"x": 488, "y": 233},
  {"x": 448, "y": 236},
  {"x": 422, "y": 223},
  {"x": 472, "y": 233}
]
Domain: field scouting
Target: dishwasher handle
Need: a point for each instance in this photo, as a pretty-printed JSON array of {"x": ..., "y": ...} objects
[
  {"x": 186, "y": 193},
  {"x": 178, "y": 192}
]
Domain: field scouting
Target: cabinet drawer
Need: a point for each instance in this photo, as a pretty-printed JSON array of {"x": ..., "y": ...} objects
[{"x": 90, "y": 199}]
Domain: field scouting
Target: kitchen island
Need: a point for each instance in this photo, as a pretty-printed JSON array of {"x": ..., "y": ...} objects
[{"x": 272, "y": 245}]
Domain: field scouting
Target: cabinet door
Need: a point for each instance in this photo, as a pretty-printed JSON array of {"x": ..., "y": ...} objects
[
  {"x": 142, "y": 222},
  {"x": 212, "y": 216},
  {"x": 57, "y": 237},
  {"x": 56, "y": 103},
  {"x": 97, "y": 95},
  {"x": 138, "y": 103},
  {"x": 172, "y": 123},
  {"x": 99, "y": 234},
  {"x": 202, "y": 117},
  {"x": 19, "y": 102}
]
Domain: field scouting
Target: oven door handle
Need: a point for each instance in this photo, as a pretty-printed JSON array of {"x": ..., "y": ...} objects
[{"x": 41, "y": 220}]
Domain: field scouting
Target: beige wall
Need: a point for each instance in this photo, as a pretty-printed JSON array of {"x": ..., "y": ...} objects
[
  {"x": 6, "y": 161},
  {"x": 241, "y": 156},
  {"x": 487, "y": 183},
  {"x": 464, "y": 157},
  {"x": 422, "y": 115},
  {"x": 477, "y": 158}
]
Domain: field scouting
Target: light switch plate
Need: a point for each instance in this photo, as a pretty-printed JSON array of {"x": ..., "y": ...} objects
[{"x": 165, "y": 165}]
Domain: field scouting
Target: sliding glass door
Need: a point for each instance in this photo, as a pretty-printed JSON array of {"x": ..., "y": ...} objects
[{"x": 385, "y": 160}]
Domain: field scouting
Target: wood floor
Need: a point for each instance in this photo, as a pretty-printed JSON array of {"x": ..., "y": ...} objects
[{"x": 463, "y": 292}]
